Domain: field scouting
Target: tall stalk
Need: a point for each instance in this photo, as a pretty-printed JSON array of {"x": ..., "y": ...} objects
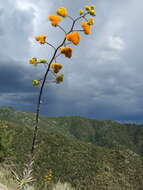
[{"x": 44, "y": 80}]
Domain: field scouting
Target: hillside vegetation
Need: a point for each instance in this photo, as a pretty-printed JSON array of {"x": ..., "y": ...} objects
[{"x": 87, "y": 153}]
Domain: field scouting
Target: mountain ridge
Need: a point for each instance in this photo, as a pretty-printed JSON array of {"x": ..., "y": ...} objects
[{"x": 106, "y": 133}]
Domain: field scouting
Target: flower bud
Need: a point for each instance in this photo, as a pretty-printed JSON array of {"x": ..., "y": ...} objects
[
  {"x": 92, "y": 7},
  {"x": 90, "y": 21},
  {"x": 60, "y": 78},
  {"x": 92, "y": 12},
  {"x": 35, "y": 82},
  {"x": 42, "y": 60},
  {"x": 81, "y": 12},
  {"x": 87, "y": 8}
]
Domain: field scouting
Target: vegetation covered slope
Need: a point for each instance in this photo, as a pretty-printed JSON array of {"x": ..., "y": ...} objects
[
  {"x": 105, "y": 133},
  {"x": 65, "y": 146}
]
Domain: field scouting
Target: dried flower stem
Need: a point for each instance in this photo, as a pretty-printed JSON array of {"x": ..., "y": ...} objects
[
  {"x": 51, "y": 45},
  {"x": 43, "y": 84},
  {"x": 62, "y": 29}
]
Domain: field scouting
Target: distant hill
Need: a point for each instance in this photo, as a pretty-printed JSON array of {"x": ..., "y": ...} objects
[
  {"x": 106, "y": 133},
  {"x": 95, "y": 154}
]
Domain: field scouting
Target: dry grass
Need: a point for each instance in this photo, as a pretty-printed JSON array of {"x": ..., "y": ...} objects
[
  {"x": 6, "y": 179},
  {"x": 63, "y": 186}
]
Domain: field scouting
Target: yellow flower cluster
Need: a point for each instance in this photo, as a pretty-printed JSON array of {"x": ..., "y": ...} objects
[
  {"x": 35, "y": 62},
  {"x": 56, "y": 67},
  {"x": 86, "y": 27},
  {"x": 41, "y": 39},
  {"x": 67, "y": 51},
  {"x": 48, "y": 177},
  {"x": 54, "y": 20},
  {"x": 60, "y": 78},
  {"x": 62, "y": 12},
  {"x": 90, "y": 21},
  {"x": 91, "y": 10},
  {"x": 74, "y": 37}
]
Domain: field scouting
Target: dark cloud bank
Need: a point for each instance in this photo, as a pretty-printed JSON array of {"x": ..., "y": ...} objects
[{"x": 105, "y": 83}]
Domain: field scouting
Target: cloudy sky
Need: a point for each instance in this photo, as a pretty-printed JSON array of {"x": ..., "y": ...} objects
[{"x": 103, "y": 79}]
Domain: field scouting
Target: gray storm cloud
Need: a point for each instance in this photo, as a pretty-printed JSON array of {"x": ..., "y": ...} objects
[{"x": 104, "y": 77}]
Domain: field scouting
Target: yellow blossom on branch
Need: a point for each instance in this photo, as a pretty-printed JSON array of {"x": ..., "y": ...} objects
[
  {"x": 60, "y": 78},
  {"x": 35, "y": 82},
  {"x": 54, "y": 20},
  {"x": 42, "y": 60},
  {"x": 86, "y": 27},
  {"x": 90, "y": 21},
  {"x": 88, "y": 8},
  {"x": 41, "y": 39},
  {"x": 81, "y": 12},
  {"x": 74, "y": 37},
  {"x": 67, "y": 51},
  {"x": 56, "y": 67},
  {"x": 92, "y": 7},
  {"x": 33, "y": 61},
  {"x": 92, "y": 12},
  {"x": 62, "y": 12}
]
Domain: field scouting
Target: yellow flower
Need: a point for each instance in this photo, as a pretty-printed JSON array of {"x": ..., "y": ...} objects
[
  {"x": 60, "y": 78},
  {"x": 88, "y": 8},
  {"x": 62, "y": 12},
  {"x": 81, "y": 12},
  {"x": 90, "y": 21},
  {"x": 92, "y": 7},
  {"x": 35, "y": 82},
  {"x": 56, "y": 67},
  {"x": 54, "y": 20},
  {"x": 41, "y": 39},
  {"x": 33, "y": 61},
  {"x": 49, "y": 176},
  {"x": 92, "y": 12},
  {"x": 86, "y": 27},
  {"x": 67, "y": 51},
  {"x": 42, "y": 60},
  {"x": 74, "y": 37}
]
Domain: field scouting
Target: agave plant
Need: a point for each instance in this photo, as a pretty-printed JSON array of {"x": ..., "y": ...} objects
[{"x": 26, "y": 179}]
